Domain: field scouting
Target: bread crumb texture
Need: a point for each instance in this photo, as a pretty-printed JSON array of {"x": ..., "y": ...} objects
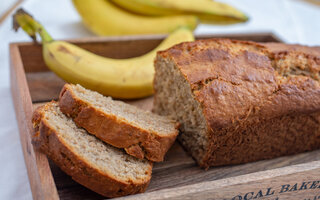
[
  {"x": 93, "y": 163},
  {"x": 125, "y": 112}
]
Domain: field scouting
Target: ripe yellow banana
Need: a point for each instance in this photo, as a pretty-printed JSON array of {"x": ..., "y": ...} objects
[
  {"x": 120, "y": 78},
  {"x": 208, "y": 11},
  {"x": 104, "y": 18}
]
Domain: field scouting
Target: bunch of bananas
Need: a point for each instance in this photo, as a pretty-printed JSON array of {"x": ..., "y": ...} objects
[
  {"x": 129, "y": 17},
  {"x": 119, "y": 78},
  {"x": 124, "y": 78}
]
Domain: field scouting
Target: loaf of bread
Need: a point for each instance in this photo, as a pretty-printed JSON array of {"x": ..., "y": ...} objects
[
  {"x": 240, "y": 101},
  {"x": 141, "y": 133},
  {"x": 96, "y": 165}
]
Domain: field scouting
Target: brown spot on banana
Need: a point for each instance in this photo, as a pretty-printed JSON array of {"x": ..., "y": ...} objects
[
  {"x": 51, "y": 55},
  {"x": 65, "y": 50}
]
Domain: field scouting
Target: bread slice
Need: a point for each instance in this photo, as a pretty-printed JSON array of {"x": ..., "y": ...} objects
[
  {"x": 92, "y": 163},
  {"x": 141, "y": 133},
  {"x": 240, "y": 101}
]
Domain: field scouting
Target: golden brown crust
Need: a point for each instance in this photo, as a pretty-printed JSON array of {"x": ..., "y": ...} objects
[
  {"x": 81, "y": 171},
  {"x": 241, "y": 86},
  {"x": 137, "y": 142},
  {"x": 285, "y": 135}
]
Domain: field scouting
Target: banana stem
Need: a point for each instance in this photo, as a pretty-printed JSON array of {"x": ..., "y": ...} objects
[{"x": 24, "y": 20}]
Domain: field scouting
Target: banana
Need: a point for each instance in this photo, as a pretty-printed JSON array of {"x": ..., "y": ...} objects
[
  {"x": 104, "y": 18},
  {"x": 120, "y": 78},
  {"x": 208, "y": 11}
]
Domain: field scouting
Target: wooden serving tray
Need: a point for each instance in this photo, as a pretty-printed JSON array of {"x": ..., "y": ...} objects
[{"x": 178, "y": 177}]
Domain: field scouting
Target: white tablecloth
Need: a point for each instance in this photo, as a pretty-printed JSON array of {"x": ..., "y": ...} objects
[{"x": 294, "y": 21}]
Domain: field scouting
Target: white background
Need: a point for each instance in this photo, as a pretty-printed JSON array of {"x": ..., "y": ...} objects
[{"x": 294, "y": 21}]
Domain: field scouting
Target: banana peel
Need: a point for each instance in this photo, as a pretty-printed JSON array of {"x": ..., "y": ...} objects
[
  {"x": 120, "y": 78},
  {"x": 211, "y": 12},
  {"x": 105, "y": 19}
]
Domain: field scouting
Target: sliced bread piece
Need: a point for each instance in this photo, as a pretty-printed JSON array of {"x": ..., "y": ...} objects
[
  {"x": 89, "y": 161},
  {"x": 141, "y": 133}
]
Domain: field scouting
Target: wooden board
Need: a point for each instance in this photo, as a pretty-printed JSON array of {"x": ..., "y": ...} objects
[{"x": 178, "y": 177}]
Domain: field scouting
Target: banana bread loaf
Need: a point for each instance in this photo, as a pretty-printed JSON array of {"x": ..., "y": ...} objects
[{"x": 240, "y": 101}]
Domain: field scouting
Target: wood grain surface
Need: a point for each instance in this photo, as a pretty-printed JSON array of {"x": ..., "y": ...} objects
[
  {"x": 178, "y": 177},
  {"x": 39, "y": 172},
  {"x": 292, "y": 182}
]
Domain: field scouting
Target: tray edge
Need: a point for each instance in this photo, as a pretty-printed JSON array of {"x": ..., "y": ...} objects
[{"x": 41, "y": 180}]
